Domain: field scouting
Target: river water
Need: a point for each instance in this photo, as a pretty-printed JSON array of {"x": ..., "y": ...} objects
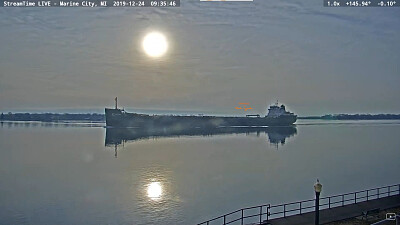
[{"x": 85, "y": 174}]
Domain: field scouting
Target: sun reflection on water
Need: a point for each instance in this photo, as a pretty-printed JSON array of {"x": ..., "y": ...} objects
[{"x": 154, "y": 190}]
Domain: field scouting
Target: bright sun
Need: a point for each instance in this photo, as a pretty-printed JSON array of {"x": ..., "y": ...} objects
[{"x": 155, "y": 44}]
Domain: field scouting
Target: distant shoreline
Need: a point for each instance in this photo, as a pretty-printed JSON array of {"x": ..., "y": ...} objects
[
  {"x": 353, "y": 117},
  {"x": 97, "y": 117},
  {"x": 53, "y": 117}
]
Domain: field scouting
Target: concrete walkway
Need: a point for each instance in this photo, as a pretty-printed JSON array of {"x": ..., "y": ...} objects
[{"x": 339, "y": 213}]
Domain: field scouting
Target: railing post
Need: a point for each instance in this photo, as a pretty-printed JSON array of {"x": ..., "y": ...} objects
[
  {"x": 367, "y": 195},
  {"x": 317, "y": 194},
  {"x": 260, "y": 213},
  {"x": 242, "y": 217},
  {"x": 342, "y": 200},
  {"x": 224, "y": 219},
  {"x": 284, "y": 210},
  {"x": 300, "y": 208},
  {"x": 329, "y": 202},
  {"x": 208, "y": 222},
  {"x": 388, "y": 191},
  {"x": 355, "y": 197},
  {"x": 377, "y": 190},
  {"x": 268, "y": 212}
]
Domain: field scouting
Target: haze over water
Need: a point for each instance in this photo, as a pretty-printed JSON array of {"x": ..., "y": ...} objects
[{"x": 66, "y": 175}]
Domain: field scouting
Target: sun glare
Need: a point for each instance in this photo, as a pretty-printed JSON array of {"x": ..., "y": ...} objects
[
  {"x": 154, "y": 190},
  {"x": 155, "y": 44}
]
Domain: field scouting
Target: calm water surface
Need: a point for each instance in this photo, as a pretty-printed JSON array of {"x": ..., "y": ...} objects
[{"x": 57, "y": 174}]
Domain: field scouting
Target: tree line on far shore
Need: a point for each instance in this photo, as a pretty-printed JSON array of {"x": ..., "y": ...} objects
[
  {"x": 97, "y": 117},
  {"x": 52, "y": 117},
  {"x": 355, "y": 117}
]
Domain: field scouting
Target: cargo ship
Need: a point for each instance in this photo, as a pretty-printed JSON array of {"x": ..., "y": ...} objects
[{"x": 277, "y": 116}]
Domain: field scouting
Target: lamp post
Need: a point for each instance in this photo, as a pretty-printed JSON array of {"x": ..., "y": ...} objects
[{"x": 318, "y": 189}]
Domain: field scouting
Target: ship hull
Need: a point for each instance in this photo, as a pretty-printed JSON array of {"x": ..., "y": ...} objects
[{"x": 118, "y": 118}]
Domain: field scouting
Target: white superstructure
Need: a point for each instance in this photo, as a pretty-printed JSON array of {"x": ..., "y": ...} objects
[{"x": 277, "y": 111}]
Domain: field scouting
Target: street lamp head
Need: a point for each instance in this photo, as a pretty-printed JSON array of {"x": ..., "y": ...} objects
[{"x": 318, "y": 187}]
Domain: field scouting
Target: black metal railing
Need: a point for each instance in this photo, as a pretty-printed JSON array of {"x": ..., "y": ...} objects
[
  {"x": 263, "y": 213},
  {"x": 254, "y": 214},
  {"x": 295, "y": 208}
]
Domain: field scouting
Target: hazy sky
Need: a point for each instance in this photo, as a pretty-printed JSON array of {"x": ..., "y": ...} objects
[{"x": 316, "y": 60}]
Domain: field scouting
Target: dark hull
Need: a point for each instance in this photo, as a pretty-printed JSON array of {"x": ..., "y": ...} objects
[{"x": 117, "y": 118}]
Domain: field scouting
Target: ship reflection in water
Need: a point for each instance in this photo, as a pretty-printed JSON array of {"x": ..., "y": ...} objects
[{"x": 117, "y": 136}]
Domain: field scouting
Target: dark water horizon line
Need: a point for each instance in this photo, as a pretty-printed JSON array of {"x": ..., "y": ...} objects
[
  {"x": 100, "y": 117},
  {"x": 102, "y": 124}
]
